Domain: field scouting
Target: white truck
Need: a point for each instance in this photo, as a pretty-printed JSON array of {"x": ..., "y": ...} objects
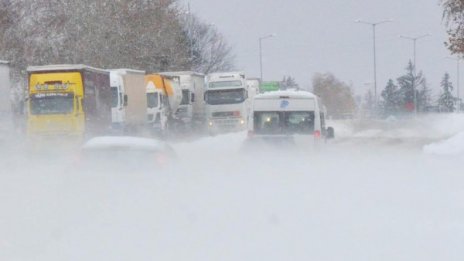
[
  {"x": 164, "y": 95},
  {"x": 227, "y": 102},
  {"x": 5, "y": 91},
  {"x": 253, "y": 87},
  {"x": 191, "y": 110},
  {"x": 129, "y": 102}
]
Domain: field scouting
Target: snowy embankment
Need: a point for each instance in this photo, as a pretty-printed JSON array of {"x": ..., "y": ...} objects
[
  {"x": 451, "y": 146},
  {"x": 411, "y": 133},
  {"x": 348, "y": 202},
  {"x": 452, "y": 142}
]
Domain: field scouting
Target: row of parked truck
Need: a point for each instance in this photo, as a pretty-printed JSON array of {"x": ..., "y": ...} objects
[{"x": 79, "y": 100}]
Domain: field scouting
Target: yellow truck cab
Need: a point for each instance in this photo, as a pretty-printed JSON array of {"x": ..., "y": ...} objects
[{"x": 68, "y": 100}]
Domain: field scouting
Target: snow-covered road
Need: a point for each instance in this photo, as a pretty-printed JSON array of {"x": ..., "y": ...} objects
[{"x": 372, "y": 194}]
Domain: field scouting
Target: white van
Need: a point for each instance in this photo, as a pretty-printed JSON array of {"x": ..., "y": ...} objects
[{"x": 296, "y": 116}]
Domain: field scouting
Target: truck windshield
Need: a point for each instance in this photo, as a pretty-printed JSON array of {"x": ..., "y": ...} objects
[
  {"x": 225, "y": 96},
  {"x": 52, "y": 104},
  {"x": 293, "y": 122},
  {"x": 152, "y": 100},
  {"x": 114, "y": 97},
  {"x": 185, "y": 97},
  {"x": 225, "y": 84}
]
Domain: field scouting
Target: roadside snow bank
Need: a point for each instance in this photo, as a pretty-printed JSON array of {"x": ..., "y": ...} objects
[{"x": 451, "y": 146}]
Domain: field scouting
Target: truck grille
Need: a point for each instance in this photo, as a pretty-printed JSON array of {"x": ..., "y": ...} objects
[
  {"x": 228, "y": 123},
  {"x": 223, "y": 114}
]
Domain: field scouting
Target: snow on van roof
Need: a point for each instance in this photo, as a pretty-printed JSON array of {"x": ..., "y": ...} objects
[
  {"x": 291, "y": 94},
  {"x": 62, "y": 67},
  {"x": 4, "y": 62}
]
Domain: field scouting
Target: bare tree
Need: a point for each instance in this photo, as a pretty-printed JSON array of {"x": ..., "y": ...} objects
[
  {"x": 337, "y": 95},
  {"x": 209, "y": 52},
  {"x": 141, "y": 34}
]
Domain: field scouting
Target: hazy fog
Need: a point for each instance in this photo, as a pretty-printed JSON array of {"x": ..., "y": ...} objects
[{"x": 372, "y": 193}]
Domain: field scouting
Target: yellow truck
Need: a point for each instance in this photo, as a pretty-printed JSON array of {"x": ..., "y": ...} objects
[{"x": 68, "y": 100}]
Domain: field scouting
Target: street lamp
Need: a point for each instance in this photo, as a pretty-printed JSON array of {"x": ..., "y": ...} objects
[
  {"x": 374, "y": 26},
  {"x": 261, "y": 53},
  {"x": 458, "y": 62},
  {"x": 414, "y": 40}
]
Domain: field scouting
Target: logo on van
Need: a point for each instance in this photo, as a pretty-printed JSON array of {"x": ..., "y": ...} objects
[{"x": 284, "y": 104}]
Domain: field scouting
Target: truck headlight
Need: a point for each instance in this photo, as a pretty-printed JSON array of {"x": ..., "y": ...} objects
[{"x": 242, "y": 121}]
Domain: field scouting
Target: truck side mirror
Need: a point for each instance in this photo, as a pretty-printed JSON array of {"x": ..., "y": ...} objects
[
  {"x": 126, "y": 100},
  {"x": 193, "y": 97}
]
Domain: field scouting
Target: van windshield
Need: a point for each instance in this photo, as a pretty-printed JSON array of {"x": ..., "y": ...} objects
[
  {"x": 52, "y": 104},
  {"x": 218, "y": 97},
  {"x": 278, "y": 123}
]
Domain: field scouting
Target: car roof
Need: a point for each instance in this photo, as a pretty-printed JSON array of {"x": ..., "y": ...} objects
[{"x": 123, "y": 142}]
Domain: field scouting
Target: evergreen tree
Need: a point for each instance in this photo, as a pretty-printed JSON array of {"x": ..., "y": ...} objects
[
  {"x": 408, "y": 85},
  {"x": 288, "y": 82},
  {"x": 423, "y": 97},
  {"x": 391, "y": 98},
  {"x": 446, "y": 102}
]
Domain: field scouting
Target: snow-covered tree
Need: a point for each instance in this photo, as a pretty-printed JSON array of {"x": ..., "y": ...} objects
[
  {"x": 409, "y": 84},
  {"x": 208, "y": 51},
  {"x": 447, "y": 101},
  {"x": 288, "y": 82},
  {"x": 147, "y": 35},
  {"x": 424, "y": 100},
  {"x": 391, "y": 98}
]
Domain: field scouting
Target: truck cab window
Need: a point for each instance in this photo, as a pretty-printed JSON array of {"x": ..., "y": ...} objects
[{"x": 152, "y": 100}]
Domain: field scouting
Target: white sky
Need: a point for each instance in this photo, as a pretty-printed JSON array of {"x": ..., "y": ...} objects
[{"x": 321, "y": 36}]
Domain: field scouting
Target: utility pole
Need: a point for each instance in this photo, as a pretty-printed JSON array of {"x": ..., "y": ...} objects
[{"x": 374, "y": 26}]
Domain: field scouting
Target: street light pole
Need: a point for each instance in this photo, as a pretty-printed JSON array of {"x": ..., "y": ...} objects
[
  {"x": 414, "y": 41},
  {"x": 261, "y": 53},
  {"x": 374, "y": 27}
]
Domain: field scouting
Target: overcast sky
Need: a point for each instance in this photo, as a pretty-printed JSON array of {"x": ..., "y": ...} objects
[{"x": 321, "y": 36}]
